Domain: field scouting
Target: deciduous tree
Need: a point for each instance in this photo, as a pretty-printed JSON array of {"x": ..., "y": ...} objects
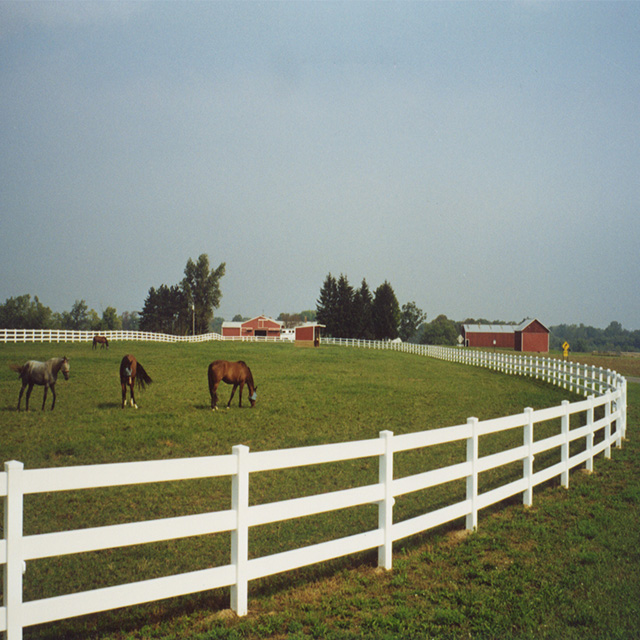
[
  {"x": 201, "y": 286},
  {"x": 410, "y": 319}
]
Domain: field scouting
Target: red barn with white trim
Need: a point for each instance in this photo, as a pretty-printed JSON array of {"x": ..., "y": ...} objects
[
  {"x": 530, "y": 335},
  {"x": 259, "y": 327},
  {"x": 308, "y": 334}
]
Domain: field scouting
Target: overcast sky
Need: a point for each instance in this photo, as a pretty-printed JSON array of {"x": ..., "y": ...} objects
[{"x": 483, "y": 158}]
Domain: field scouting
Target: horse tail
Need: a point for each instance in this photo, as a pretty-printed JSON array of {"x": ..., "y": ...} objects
[
  {"x": 18, "y": 368},
  {"x": 142, "y": 377}
]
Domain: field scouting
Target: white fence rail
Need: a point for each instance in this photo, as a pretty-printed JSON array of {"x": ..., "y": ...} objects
[
  {"x": 64, "y": 335},
  {"x": 603, "y": 413}
]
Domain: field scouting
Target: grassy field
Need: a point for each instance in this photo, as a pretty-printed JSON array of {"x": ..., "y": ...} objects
[{"x": 566, "y": 568}]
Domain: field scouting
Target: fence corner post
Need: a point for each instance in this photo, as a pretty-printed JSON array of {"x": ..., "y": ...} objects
[
  {"x": 623, "y": 409},
  {"x": 527, "y": 462},
  {"x": 13, "y": 532},
  {"x": 472, "y": 478},
  {"x": 385, "y": 507},
  {"x": 240, "y": 535}
]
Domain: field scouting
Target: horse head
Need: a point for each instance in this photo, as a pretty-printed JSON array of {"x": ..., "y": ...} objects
[
  {"x": 65, "y": 368},
  {"x": 253, "y": 398}
]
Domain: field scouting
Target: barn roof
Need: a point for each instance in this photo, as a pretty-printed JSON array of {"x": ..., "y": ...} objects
[
  {"x": 525, "y": 323},
  {"x": 262, "y": 317},
  {"x": 501, "y": 328},
  {"x": 489, "y": 328}
]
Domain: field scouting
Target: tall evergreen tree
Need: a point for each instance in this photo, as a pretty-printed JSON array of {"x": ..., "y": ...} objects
[
  {"x": 166, "y": 311},
  {"x": 386, "y": 313},
  {"x": 363, "y": 312},
  {"x": 345, "y": 321},
  {"x": 326, "y": 305}
]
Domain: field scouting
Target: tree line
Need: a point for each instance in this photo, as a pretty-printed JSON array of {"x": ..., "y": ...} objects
[
  {"x": 347, "y": 312},
  {"x": 179, "y": 309},
  {"x": 22, "y": 312},
  {"x": 586, "y": 339},
  {"x": 187, "y": 307}
]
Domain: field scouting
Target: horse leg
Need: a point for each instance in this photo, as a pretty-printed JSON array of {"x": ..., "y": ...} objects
[
  {"x": 29, "y": 390},
  {"x": 53, "y": 392},
  {"x": 133, "y": 398},
  {"x": 44, "y": 397},
  {"x": 123, "y": 384},
  {"x": 24, "y": 385},
  {"x": 235, "y": 386},
  {"x": 214, "y": 396},
  {"x": 241, "y": 388}
]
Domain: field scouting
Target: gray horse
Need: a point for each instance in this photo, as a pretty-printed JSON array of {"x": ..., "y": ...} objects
[{"x": 42, "y": 373}]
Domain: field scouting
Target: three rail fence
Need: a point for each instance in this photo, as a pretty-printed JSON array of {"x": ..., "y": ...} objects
[{"x": 580, "y": 431}]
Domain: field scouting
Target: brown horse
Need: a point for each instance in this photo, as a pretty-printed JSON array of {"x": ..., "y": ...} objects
[
  {"x": 235, "y": 373},
  {"x": 132, "y": 371},
  {"x": 100, "y": 340},
  {"x": 42, "y": 373}
]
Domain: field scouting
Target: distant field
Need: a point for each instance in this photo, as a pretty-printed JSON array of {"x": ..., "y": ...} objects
[{"x": 305, "y": 396}]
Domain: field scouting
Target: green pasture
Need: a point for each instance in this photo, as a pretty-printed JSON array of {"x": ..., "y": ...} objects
[{"x": 305, "y": 397}]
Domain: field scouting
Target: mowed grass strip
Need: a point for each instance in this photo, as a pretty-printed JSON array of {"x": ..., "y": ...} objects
[{"x": 305, "y": 397}]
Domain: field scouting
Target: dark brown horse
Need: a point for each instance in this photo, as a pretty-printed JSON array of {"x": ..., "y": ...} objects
[
  {"x": 235, "y": 373},
  {"x": 100, "y": 340},
  {"x": 42, "y": 373},
  {"x": 131, "y": 371}
]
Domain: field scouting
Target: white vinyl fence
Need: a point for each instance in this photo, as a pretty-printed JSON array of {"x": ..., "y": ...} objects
[
  {"x": 597, "y": 423},
  {"x": 65, "y": 335}
]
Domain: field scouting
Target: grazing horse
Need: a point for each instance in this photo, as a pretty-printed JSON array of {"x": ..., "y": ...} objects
[
  {"x": 235, "y": 373},
  {"x": 100, "y": 340},
  {"x": 42, "y": 373},
  {"x": 132, "y": 371}
]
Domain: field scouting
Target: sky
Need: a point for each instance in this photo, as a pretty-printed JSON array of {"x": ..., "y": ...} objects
[{"x": 483, "y": 158}]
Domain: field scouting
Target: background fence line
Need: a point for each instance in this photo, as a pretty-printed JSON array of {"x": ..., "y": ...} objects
[
  {"x": 67, "y": 335},
  {"x": 602, "y": 418}
]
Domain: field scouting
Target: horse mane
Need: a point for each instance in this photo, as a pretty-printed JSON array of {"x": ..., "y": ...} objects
[{"x": 249, "y": 374}]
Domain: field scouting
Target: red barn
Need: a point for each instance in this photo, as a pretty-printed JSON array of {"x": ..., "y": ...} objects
[
  {"x": 260, "y": 327},
  {"x": 308, "y": 334},
  {"x": 530, "y": 335},
  {"x": 488, "y": 335}
]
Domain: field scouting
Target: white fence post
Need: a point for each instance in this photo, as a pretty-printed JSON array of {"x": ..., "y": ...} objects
[
  {"x": 13, "y": 531},
  {"x": 564, "y": 449},
  {"x": 590, "y": 421},
  {"x": 385, "y": 507},
  {"x": 527, "y": 463},
  {"x": 240, "y": 536},
  {"x": 607, "y": 426},
  {"x": 623, "y": 409},
  {"x": 472, "y": 478}
]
